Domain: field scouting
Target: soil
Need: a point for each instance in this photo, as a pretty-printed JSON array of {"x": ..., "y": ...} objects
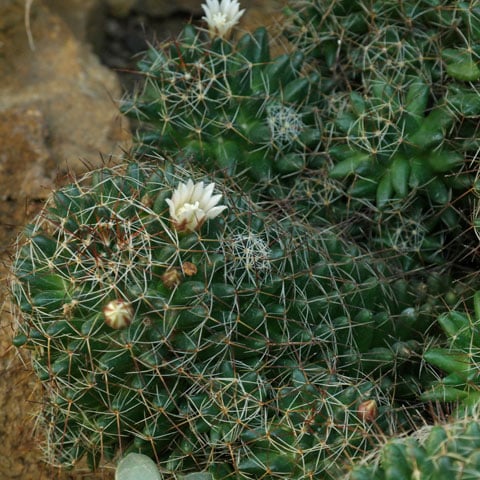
[{"x": 124, "y": 40}]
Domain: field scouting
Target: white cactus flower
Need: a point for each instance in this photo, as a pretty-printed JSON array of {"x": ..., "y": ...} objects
[
  {"x": 221, "y": 16},
  {"x": 191, "y": 204}
]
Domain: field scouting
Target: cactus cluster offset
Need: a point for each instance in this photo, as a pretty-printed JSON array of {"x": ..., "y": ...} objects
[
  {"x": 227, "y": 105},
  {"x": 166, "y": 319},
  {"x": 439, "y": 452},
  {"x": 458, "y": 359},
  {"x": 401, "y": 113},
  {"x": 349, "y": 40}
]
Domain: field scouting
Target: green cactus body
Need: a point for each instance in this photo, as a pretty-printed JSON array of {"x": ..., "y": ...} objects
[
  {"x": 458, "y": 360},
  {"x": 434, "y": 452},
  {"x": 400, "y": 114},
  {"x": 349, "y": 39},
  {"x": 278, "y": 339},
  {"x": 192, "y": 345},
  {"x": 228, "y": 106}
]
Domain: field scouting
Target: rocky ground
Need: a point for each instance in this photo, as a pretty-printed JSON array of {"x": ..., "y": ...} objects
[{"x": 64, "y": 64}]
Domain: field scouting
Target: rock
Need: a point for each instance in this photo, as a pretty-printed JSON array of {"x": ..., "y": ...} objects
[
  {"x": 63, "y": 81},
  {"x": 25, "y": 162},
  {"x": 11, "y": 11}
]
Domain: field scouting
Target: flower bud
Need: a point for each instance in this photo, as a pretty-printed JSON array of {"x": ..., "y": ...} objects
[
  {"x": 368, "y": 411},
  {"x": 118, "y": 314}
]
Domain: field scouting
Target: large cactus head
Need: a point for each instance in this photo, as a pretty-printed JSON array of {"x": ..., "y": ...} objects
[{"x": 204, "y": 331}]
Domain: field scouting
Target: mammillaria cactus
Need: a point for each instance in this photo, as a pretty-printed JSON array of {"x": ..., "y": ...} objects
[
  {"x": 352, "y": 40},
  {"x": 401, "y": 111},
  {"x": 439, "y": 452},
  {"x": 168, "y": 319},
  {"x": 227, "y": 105},
  {"x": 247, "y": 298}
]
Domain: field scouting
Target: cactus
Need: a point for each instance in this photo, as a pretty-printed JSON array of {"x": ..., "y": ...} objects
[
  {"x": 227, "y": 105},
  {"x": 269, "y": 316},
  {"x": 205, "y": 335},
  {"x": 448, "y": 451},
  {"x": 349, "y": 40},
  {"x": 458, "y": 359},
  {"x": 400, "y": 119}
]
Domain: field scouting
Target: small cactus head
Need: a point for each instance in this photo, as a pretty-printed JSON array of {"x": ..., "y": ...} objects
[{"x": 227, "y": 105}]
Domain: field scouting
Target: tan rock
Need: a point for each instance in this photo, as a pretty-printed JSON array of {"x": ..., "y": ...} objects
[
  {"x": 64, "y": 81},
  {"x": 25, "y": 162}
]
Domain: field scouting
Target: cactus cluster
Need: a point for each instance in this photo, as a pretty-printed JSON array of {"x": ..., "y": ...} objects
[{"x": 278, "y": 270}]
